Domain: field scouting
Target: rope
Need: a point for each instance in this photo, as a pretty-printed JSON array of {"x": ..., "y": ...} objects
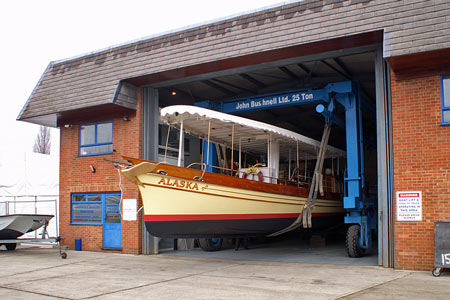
[
  {"x": 207, "y": 152},
  {"x": 167, "y": 143},
  {"x": 305, "y": 215},
  {"x": 232, "y": 150},
  {"x": 121, "y": 193}
]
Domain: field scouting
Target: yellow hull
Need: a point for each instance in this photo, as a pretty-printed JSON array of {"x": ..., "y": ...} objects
[
  {"x": 179, "y": 207},
  {"x": 165, "y": 195}
]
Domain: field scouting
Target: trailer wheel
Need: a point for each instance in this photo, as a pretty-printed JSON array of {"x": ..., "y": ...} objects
[
  {"x": 436, "y": 272},
  {"x": 11, "y": 247},
  {"x": 63, "y": 255},
  {"x": 352, "y": 242},
  {"x": 213, "y": 244}
]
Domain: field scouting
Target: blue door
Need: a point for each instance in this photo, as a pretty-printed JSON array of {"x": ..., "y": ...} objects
[{"x": 112, "y": 225}]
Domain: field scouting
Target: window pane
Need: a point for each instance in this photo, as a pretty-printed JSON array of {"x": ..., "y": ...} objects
[
  {"x": 187, "y": 146},
  {"x": 94, "y": 198},
  {"x": 174, "y": 136},
  {"x": 96, "y": 149},
  {"x": 446, "y": 116},
  {"x": 446, "y": 92},
  {"x": 87, "y": 134},
  {"x": 104, "y": 133},
  {"x": 87, "y": 212},
  {"x": 112, "y": 213},
  {"x": 79, "y": 198},
  {"x": 171, "y": 153}
]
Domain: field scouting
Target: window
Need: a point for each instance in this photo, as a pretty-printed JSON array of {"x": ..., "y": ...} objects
[
  {"x": 96, "y": 138},
  {"x": 445, "y": 95},
  {"x": 172, "y": 142},
  {"x": 95, "y": 209}
]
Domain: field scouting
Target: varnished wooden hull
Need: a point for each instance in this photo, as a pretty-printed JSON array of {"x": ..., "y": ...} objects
[{"x": 176, "y": 205}]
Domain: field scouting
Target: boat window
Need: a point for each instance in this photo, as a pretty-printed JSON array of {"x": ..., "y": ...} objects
[
  {"x": 445, "y": 95},
  {"x": 96, "y": 138},
  {"x": 89, "y": 209}
]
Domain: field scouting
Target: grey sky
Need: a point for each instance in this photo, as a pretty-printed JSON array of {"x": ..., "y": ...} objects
[{"x": 33, "y": 33}]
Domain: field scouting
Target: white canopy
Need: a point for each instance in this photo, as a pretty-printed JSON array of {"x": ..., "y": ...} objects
[{"x": 253, "y": 135}]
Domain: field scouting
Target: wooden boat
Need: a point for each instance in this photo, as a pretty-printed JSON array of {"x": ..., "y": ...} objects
[{"x": 181, "y": 202}]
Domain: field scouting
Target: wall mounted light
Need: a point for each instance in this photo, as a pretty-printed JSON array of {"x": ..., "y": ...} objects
[
  {"x": 92, "y": 168},
  {"x": 125, "y": 118},
  {"x": 68, "y": 126},
  {"x": 173, "y": 93}
]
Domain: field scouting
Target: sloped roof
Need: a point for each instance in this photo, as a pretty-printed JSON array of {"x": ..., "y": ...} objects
[{"x": 93, "y": 79}]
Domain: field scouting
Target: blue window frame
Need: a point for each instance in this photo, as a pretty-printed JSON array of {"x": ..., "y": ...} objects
[
  {"x": 445, "y": 98},
  {"x": 95, "y": 138},
  {"x": 89, "y": 209}
]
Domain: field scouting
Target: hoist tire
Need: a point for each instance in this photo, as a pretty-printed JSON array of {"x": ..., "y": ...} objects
[
  {"x": 213, "y": 244},
  {"x": 352, "y": 242}
]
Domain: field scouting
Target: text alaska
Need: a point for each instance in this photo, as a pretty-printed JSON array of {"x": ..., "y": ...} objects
[{"x": 179, "y": 183}]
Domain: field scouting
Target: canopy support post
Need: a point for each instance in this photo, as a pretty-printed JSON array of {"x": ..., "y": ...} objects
[{"x": 181, "y": 145}]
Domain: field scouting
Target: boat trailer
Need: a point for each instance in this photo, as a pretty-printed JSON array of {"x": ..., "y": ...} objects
[
  {"x": 11, "y": 244},
  {"x": 361, "y": 210}
]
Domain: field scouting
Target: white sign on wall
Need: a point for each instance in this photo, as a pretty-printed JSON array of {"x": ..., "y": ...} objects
[
  {"x": 409, "y": 206},
  {"x": 129, "y": 209}
]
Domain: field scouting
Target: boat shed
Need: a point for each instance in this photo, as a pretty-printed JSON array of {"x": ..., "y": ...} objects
[{"x": 107, "y": 102}]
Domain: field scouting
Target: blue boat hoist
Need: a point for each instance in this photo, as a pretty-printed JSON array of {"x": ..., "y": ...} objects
[{"x": 361, "y": 210}]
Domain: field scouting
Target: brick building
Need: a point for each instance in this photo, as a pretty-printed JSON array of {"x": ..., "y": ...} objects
[{"x": 106, "y": 104}]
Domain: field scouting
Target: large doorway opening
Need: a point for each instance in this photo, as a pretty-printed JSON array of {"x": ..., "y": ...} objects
[{"x": 355, "y": 65}]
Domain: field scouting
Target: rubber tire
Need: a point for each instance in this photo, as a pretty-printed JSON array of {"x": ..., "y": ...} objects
[
  {"x": 436, "y": 272},
  {"x": 352, "y": 242},
  {"x": 11, "y": 247},
  {"x": 63, "y": 255},
  {"x": 214, "y": 244}
]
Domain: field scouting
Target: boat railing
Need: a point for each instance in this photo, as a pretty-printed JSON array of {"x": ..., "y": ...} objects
[
  {"x": 297, "y": 178},
  {"x": 203, "y": 165}
]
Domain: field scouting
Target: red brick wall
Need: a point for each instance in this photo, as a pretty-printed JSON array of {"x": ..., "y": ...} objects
[
  {"x": 421, "y": 162},
  {"x": 76, "y": 177}
]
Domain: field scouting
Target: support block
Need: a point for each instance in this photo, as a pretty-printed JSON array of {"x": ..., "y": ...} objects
[
  {"x": 352, "y": 220},
  {"x": 351, "y": 202}
]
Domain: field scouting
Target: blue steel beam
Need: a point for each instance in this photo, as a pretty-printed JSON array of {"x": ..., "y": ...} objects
[
  {"x": 329, "y": 116},
  {"x": 357, "y": 206},
  {"x": 297, "y": 97}
]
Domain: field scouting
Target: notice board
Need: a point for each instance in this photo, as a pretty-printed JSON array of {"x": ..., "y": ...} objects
[
  {"x": 442, "y": 244},
  {"x": 409, "y": 206},
  {"x": 129, "y": 210}
]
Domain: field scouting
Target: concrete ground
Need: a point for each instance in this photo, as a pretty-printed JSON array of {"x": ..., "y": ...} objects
[
  {"x": 37, "y": 273},
  {"x": 289, "y": 248}
]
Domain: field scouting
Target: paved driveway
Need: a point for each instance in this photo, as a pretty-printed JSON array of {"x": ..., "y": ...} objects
[{"x": 42, "y": 274}]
